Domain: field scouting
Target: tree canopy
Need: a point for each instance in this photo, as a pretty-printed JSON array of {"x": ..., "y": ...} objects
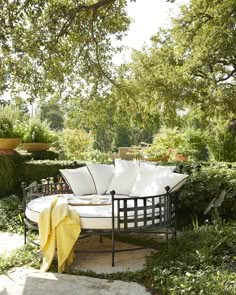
[
  {"x": 192, "y": 64},
  {"x": 63, "y": 45}
]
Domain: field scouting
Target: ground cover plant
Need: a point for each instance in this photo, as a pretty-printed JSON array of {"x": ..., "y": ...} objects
[{"x": 11, "y": 214}]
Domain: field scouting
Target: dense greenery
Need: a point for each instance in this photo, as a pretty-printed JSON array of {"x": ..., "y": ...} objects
[
  {"x": 188, "y": 69},
  {"x": 26, "y": 256},
  {"x": 52, "y": 47},
  {"x": 11, "y": 214},
  {"x": 9, "y": 120},
  {"x": 189, "y": 65},
  {"x": 201, "y": 261},
  {"x": 206, "y": 182},
  {"x": 37, "y": 130},
  {"x": 17, "y": 169},
  {"x": 10, "y": 174}
]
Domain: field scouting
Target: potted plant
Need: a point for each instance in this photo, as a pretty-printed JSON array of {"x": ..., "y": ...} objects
[
  {"x": 163, "y": 144},
  {"x": 10, "y": 136},
  {"x": 37, "y": 135}
]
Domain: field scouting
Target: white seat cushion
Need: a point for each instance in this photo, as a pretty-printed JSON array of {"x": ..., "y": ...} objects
[
  {"x": 102, "y": 175},
  {"x": 156, "y": 186},
  {"x": 124, "y": 177},
  {"x": 146, "y": 174},
  {"x": 92, "y": 217},
  {"x": 80, "y": 181}
]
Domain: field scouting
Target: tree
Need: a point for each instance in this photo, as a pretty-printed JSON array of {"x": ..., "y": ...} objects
[
  {"x": 205, "y": 37},
  {"x": 190, "y": 65},
  {"x": 53, "y": 112},
  {"x": 66, "y": 46}
]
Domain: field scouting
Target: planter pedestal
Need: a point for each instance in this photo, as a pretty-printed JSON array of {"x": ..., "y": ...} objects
[{"x": 8, "y": 152}]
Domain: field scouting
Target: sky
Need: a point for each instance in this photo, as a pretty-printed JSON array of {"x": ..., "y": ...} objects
[{"x": 148, "y": 16}]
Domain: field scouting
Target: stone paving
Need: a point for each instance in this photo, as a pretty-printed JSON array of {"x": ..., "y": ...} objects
[{"x": 24, "y": 281}]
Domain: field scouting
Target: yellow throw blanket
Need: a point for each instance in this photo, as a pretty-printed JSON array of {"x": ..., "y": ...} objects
[{"x": 59, "y": 228}]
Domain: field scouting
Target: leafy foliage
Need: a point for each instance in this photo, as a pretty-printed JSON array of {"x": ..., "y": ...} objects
[
  {"x": 25, "y": 256},
  {"x": 171, "y": 141},
  {"x": 10, "y": 174},
  {"x": 206, "y": 183},
  {"x": 49, "y": 46},
  {"x": 9, "y": 120},
  {"x": 76, "y": 142},
  {"x": 221, "y": 141},
  {"x": 198, "y": 262},
  {"x": 39, "y": 169},
  {"x": 11, "y": 210},
  {"x": 189, "y": 65},
  {"x": 52, "y": 112},
  {"x": 37, "y": 130}
]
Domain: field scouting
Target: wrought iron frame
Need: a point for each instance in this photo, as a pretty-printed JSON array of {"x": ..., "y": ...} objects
[{"x": 149, "y": 214}]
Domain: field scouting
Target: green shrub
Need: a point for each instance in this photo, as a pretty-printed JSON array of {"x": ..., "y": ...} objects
[
  {"x": 44, "y": 155},
  {"x": 36, "y": 170},
  {"x": 221, "y": 142},
  {"x": 9, "y": 121},
  {"x": 97, "y": 156},
  {"x": 14, "y": 170},
  {"x": 75, "y": 142},
  {"x": 198, "y": 262},
  {"x": 37, "y": 131},
  {"x": 10, "y": 174},
  {"x": 205, "y": 183},
  {"x": 168, "y": 142},
  {"x": 11, "y": 210}
]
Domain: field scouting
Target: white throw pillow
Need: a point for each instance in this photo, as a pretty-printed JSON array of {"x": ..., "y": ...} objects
[
  {"x": 102, "y": 175},
  {"x": 146, "y": 174},
  {"x": 80, "y": 181},
  {"x": 165, "y": 169},
  {"x": 157, "y": 185},
  {"x": 124, "y": 177}
]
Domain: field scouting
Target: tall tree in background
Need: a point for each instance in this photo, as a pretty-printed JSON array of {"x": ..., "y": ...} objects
[
  {"x": 48, "y": 45},
  {"x": 192, "y": 64},
  {"x": 205, "y": 35}
]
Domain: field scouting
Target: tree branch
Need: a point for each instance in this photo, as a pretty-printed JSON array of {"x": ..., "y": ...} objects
[
  {"x": 227, "y": 77},
  {"x": 73, "y": 13}
]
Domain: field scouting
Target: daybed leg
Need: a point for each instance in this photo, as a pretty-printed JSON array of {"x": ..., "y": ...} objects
[
  {"x": 113, "y": 231},
  {"x": 113, "y": 252},
  {"x": 167, "y": 234},
  {"x": 23, "y": 187},
  {"x": 100, "y": 238}
]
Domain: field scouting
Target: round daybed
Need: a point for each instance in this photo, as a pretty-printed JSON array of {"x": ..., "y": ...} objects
[
  {"x": 110, "y": 199},
  {"x": 96, "y": 216}
]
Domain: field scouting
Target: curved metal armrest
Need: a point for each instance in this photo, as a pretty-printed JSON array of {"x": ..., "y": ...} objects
[{"x": 39, "y": 190}]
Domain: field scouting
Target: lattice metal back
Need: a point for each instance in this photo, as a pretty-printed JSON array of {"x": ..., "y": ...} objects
[{"x": 144, "y": 212}]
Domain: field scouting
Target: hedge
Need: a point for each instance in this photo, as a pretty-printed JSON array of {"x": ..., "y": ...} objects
[
  {"x": 205, "y": 182},
  {"x": 10, "y": 167},
  {"x": 36, "y": 170},
  {"x": 15, "y": 169}
]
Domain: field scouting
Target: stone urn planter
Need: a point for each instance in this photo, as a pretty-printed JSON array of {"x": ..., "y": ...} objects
[
  {"x": 36, "y": 146},
  {"x": 9, "y": 143}
]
